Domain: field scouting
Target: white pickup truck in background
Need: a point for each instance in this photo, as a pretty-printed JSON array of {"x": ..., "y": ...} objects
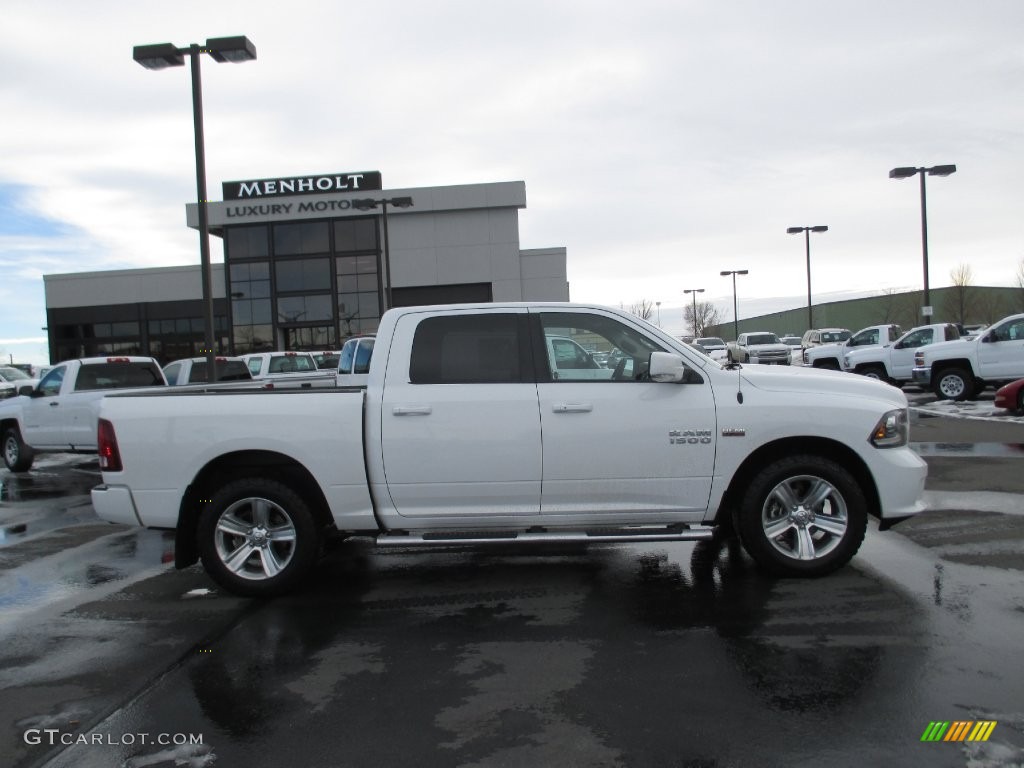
[
  {"x": 60, "y": 412},
  {"x": 958, "y": 370},
  {"x": 759, "y": 347},
  {"x": 288, "y": 369},
  {"x": 470, "y": 432},
  {"x": 894, "y": 362},
  {"x": 830, "y": 356}
]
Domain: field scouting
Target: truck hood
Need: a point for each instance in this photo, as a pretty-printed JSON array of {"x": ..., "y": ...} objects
[
  {"x": 791, "y": 379},
  {"x": 941, "y": 346}
]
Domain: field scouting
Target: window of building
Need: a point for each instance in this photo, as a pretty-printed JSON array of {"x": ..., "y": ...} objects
[
  {"x": 305, "y": 309},
  {"x": 248, "y": 242},
  {"x": 355, "y": 235},
  {"x": 303, "y": 275},
  {"x": 300, "y": 239}
]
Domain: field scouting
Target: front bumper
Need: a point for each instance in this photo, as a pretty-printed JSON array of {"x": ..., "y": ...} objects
[
  {"x": 922, "y": 375},
  {"x": 899, "y": 475}
]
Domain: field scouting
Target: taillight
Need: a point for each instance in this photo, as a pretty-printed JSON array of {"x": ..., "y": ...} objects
[{"x": 106, "y": 440}]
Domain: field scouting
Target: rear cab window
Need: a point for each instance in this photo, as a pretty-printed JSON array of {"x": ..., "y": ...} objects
[
  {"x": 470, "y": 349},
  {"x": 119, "y": 374}
]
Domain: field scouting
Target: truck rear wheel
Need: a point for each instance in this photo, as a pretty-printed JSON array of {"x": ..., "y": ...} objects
[
  {"x": 18, "y": 457},
  {"x": 953, "y": 384},
  {"x": 258, "y": 537},
  {"x": 802, "y": 516}
]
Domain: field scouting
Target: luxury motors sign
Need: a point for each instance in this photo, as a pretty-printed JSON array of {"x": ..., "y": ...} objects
[{"x": 302, "y": 185}]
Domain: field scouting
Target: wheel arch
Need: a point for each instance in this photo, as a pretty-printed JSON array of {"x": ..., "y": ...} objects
[
  {"x": 952, "y": 362},
  {"x": 841, "y": 454},
  {"x": 233, "y": 466}
]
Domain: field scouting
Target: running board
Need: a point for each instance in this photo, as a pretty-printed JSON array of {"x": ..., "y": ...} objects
[{"x": 436, "y": 538}]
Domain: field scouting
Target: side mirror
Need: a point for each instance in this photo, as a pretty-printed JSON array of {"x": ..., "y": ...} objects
[
  {"x": 666, "y": 367},
  {"x": 27, "y": 390}
]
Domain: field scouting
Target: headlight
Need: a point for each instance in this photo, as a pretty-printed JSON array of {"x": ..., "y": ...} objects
[{"x": 892, "y": 430}]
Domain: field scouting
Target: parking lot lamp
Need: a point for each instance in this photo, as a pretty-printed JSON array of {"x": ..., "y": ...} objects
[
  {"x": 368, "y": 204},
  {"x": 694, "y": 291},
  {"x": 906, "y": 173},
  {"x": 161, "y": 56},
  {"x": 807, "y": 239},
  {"x": 735, "y": 314}
]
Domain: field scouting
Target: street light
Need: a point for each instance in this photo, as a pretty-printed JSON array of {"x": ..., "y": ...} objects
[
  {"x": 160, "y": 56},
  {"x": 694, "y": 291},
  {"x": 659, "y": 313},
  {"x": 906, "y": 173},
  {"x": 807, "y": 238},
  {"x": 367, "y": 204},
  {"x": 735, "y": 315}
]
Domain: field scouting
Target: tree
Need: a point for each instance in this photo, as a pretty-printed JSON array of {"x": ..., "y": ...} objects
[
  {"x": 707, "y": 314},
  {"x": 643, "y": 309},
  {"x": 958, "y": 302},
  {"x": 899, "y": 308}
]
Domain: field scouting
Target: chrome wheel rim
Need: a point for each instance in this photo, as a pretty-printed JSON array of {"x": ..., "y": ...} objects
[
  {"x": 805, "y": 517},
  {"x": 255, "y": 538},
  {"x": 11, "y": 450},
  {"x": 951, "y": 386}
]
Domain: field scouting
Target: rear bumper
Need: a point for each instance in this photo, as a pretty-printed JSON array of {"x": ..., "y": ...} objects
[{"x": 114, "y": 503}]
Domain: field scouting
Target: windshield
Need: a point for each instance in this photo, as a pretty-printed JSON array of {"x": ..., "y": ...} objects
[
  {"x": 834, "y": 336},
  {"x": 711, "y": 341},
  {"x": 762, "y": 338},
  {"x": 13, "y": 374}
]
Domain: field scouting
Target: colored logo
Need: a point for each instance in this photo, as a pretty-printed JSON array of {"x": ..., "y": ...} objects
[{"x": 959, "y": 730}]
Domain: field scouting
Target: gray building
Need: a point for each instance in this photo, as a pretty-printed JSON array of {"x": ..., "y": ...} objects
[{"x": 306, "y": 264}]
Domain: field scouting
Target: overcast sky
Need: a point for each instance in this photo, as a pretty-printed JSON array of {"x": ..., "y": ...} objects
[{"x": 660, "y": 142}]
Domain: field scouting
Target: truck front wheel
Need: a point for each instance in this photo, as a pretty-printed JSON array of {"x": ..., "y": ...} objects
[
  {"x": 953, "y": 384},
  {"x": 802, "y": 516},
  {"x": 874, "y": 372},
  {"x": 17, "y": 456},
  {"x": 257, "y": 537}
]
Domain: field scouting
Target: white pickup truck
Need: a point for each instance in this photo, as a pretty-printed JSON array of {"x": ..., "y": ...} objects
[
  {"x": 894, "y": 362},
  {"x": 761, "y": 347},
  {"x": 469, "y": 432},
  {"x": 288, "y": 369},
  {"x": 958, "y": 370},
  {"x": 830, "y": 356},
  {"x": 60, "y": 412}
]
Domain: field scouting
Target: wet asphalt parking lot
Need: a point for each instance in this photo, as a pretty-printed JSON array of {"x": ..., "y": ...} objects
[{"x": 623, "y": 655}]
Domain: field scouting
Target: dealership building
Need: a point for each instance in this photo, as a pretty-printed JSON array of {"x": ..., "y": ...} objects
[{"x": 309, "y": 261}]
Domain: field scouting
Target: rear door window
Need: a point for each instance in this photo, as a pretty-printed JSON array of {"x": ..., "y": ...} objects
[{"x": 470, "y": 349}]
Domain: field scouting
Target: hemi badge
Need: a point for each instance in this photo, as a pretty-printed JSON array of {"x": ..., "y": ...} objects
[{"x": 734, "y": 433}]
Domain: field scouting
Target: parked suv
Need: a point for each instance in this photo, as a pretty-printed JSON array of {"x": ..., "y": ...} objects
[{"x": 818, "y": 336}]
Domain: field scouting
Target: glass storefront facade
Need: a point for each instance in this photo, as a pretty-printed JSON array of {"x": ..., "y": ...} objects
[{"x": 302, "y": 285}]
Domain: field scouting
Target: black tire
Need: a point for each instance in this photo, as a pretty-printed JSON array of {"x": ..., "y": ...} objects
[
  {"x": 1020, "y": 401},
  {"x": 786, "y": 535},
  {"x": 18, "y": 456},
  {"x": 258, "y": 537},
  {"x": 953, "y": 384},
  {"x": 829, "y": 364},
  {"x": 874, "y": 372}
]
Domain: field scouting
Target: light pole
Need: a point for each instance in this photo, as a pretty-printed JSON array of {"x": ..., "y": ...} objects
[
  {"x": 906, "y": 173},
  {"x": 658, "y": 303},
  {"x": 807, "y": 239},
  {"x": 694, "y": 291},
  {"x": 735, "y": 314},
  {"x": 160, "y": 56},
  {"x": 368, "y": 204}
]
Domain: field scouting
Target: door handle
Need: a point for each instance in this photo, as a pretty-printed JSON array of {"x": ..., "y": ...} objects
[
  {"x": 54, "y": 404},
  {"x": 411, "y": 410},
  {"x": 572, "y": 407}
]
